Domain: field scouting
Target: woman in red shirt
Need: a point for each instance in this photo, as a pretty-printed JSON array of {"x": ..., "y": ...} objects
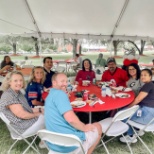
[{"x": 86, "y": 73}]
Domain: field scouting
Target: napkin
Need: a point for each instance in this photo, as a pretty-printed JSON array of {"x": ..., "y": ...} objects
[
  {"x": 108, "y": 92},
  {"x": 97, "y": 101}
]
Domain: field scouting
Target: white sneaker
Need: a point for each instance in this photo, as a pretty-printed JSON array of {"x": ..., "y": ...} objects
[
  {"x": 140, "y": 132},
  {"x": 129, "y": 139},
  {"x": 42, "y": 145}
]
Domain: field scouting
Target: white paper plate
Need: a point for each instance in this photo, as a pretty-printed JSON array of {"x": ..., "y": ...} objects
[
  {"x": 128, "y": 89},
  {"x": 78, "y": 104},
  {"x": 122, "y": 95}
]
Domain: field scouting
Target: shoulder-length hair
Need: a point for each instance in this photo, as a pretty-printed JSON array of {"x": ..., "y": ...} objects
[
  {"x": 89, "y": 64},
  {"x": 32, "y": 77},
  {"x": 138, "y": 71},
  {"x": 7, "y": 79},
  {"x": 4, "y": 60}
]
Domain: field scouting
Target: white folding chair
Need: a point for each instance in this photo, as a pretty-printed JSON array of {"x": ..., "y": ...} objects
[
  {"x": 99, "y": 71},
  {"x": 65, "y": 140},
  {"x": 15, "y": 135},
  {"x": 142, "y": 128},
  {"x": 27, "y": 66},
  {"x": 114, "y": 127},
  {"x": 60, "y": 69}
]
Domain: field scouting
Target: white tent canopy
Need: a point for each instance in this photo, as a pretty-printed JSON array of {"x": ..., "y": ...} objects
[{"x": 89, "y": 19}]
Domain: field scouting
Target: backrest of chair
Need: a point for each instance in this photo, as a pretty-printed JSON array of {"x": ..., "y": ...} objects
[
  {"x": 66, "y": 140},
  {"x": 3, "y": 117},
  {"x": 126, "y": 113},
  {"x": 99, "y": 70},
  {"x": 60, "y": 69}
]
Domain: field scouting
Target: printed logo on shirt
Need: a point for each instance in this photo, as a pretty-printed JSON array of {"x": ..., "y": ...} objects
[
  {"x": 113, "y": 82},
  {"x": 132, "y": 84},
  {"x": 32, "y": 94}
]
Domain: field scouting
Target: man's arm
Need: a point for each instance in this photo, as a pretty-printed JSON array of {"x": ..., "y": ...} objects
[{"x": 74, "y": 121}]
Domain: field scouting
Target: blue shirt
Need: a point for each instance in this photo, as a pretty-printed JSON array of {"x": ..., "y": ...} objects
[
  {"x": 48, "y": 82},
  {"x": 56, "y": 104},
  {"x": 34, "y": 91}
]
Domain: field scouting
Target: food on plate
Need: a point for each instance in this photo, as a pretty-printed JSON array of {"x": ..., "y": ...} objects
[
  {"x": 78, "y": 104},
  {"x": 124, "y": 96},
  {"x": 79, "y": 99}
]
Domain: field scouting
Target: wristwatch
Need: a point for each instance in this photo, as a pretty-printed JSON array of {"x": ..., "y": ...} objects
[{"x": 40, "y": 110}]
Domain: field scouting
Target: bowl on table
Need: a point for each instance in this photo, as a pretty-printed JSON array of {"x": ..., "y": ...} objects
[{"x": 85, "y": 82}]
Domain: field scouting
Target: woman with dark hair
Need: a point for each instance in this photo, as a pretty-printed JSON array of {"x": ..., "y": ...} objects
[
  {"x": 86, "y": 73},
  {"x": 145, "y": 100},
  {"x": 6, "y": 61},
  {"x": 134, "y": 81}
]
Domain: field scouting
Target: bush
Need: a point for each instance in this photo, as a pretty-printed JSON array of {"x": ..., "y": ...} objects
[{"x": 5, "y": 48}]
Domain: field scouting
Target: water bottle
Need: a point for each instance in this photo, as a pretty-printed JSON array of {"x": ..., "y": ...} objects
[
  {"x": 103, "y": 92},
  {"x": 94, "y": 81}
]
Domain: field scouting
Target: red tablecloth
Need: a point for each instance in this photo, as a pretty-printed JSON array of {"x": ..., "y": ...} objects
[
  {"x": 26, "y": 71},
  {"x": 110, "y": 103}
]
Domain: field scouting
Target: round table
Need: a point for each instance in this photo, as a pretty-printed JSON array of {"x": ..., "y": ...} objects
[{"x": 110, "y": 103}]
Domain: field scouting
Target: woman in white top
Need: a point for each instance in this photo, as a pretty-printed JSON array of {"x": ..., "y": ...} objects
[{"x": 134, "y": 81}]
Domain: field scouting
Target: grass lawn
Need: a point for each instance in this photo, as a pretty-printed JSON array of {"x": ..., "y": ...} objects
[{"x": 115, "y": 147}]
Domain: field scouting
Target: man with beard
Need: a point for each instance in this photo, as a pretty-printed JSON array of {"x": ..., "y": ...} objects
[
  {"x": 115, "y": 75},
  {"x": 60, "y": 118}
]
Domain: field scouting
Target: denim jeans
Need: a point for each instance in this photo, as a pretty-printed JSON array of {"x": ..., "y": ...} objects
[{"x": 147, "y": 114}]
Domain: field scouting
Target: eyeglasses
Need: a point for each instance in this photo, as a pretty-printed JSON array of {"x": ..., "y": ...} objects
[{"x": 131, "y": 69}]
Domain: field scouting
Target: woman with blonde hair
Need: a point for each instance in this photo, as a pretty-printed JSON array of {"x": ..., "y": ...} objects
[
  {"x": 14, "y": 106},
  {"x": 35, "y": 87}
]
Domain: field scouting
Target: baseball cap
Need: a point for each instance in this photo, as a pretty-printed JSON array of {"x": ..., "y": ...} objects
[{"x": 111, "y": 59}]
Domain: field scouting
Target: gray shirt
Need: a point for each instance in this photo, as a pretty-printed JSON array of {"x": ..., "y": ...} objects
[
  {"x": 135, "y": 85},
  {"x": 11, "y": 97}
]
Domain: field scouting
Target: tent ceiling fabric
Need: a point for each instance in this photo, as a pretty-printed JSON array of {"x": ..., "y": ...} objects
[{"x": 78, "y": 18}]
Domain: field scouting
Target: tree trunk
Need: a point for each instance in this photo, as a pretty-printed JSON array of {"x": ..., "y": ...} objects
[
  {"x": 115, "y": 45},
  {"x": 142, "y": 46},
  {"x": 14, "y": 45},
  {"x": 36, "y": 45},
  {"x": 75, "y": 43},
  {"x": 37, "y": 48},
  {"x": 80, "y": 49}
]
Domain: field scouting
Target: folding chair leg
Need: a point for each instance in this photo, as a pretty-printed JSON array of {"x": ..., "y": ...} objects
[
  {"x": 128, "y": 144},
  {"x": 142, "y": 141},
  {"x": 105, "y": 147},
  {"x": 30, "y": 145},
  {"x": 12, "y": 146}
]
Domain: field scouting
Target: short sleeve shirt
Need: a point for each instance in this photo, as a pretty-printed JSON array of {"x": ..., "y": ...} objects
[
  {"x": 119, "y": 77},
  {"x": 34, "y": 90},
  {"x": 10, "y": 97},
  {"x": 149, "y": 99},
  {"x": 135, "y": 85},
  {"x": 56, "y": 105},
  {"x": 85, "y": 75}
]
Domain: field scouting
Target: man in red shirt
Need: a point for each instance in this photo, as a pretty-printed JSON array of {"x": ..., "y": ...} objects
[{"x": 114, "y": 74}]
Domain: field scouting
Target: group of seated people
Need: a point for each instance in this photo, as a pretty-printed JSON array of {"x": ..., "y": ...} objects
[{"x": 58, "y": 115}]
